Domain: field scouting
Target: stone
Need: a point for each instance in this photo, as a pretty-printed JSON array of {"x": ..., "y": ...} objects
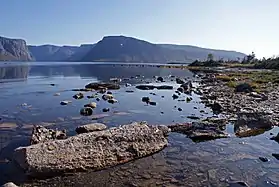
[
  {"x": 145, "y": 99},
  {"x": 56, "y": 94},
  {"x": 263, "y": 159},
  {"x": 275, "y": 138},
  {"x": 86, "y": 111},
  {"x": 180, "y": 89},
  {"x": 130, "y": 91},
  {"x": 115, "y": 80},
  {"x": 146, "y": 87},
  {"x": 188, "y": 99},
  {"x": 107, "y": 97},
  {"x": 128, "y": 85},
  {"x": 90, "y": 128},
  {"x": 275, "y": 156},
  {"x": 65, "y": 102},
  {"x": 160, "y": 79},
  {"x": 41, "y": 134},
  {"x": 105, "y": 109},
  {"x": 99, "y": 86},
  {"x": 244, "y": 87},
  {"x": 109, "y": 92},
  {"x": 252, "y": 122},
  {"x": 9, "y": 184},
  {"x": 94, "y": 150},
  {"x": 112, "y": 101},
  {"x": 193, "y": 117},
  {"x": 238, "y": 184},
  {"x": 78, "y": 96},
  {"x": 91, "y": 105},
  {"x": 103, "y": 90},
  {"x": 179, "y": 109},
  {"x": 180, "y": 81},
  {"x": 152, "y": 103},
  {"x": 174, "y": 96},
  {"x": 164, "y": 87}
]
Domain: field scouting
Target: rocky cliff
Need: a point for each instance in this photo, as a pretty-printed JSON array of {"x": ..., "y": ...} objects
[{"x": 14, "y": 50}]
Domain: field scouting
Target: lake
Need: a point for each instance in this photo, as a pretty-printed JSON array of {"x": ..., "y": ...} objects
[{"x": 29, "y": 97}]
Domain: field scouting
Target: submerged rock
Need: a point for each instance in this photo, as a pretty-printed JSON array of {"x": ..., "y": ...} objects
[
  {"x": 94, "y": 150},
  {"x": 86, "y": 111},
  {"x": 90, "y": 128},
  {"x": 180, "y": 81},
  {"x": 99, "y": 86},
  {"x": 107, "y": 97},
  {"x": 65, "y": 102},
  {"x": 41, "y": 134},
  {"x": 105, "y": 109},
  {"x": 78, "y": 96},
  {"x": 91, "y": 105},
  {"x": 112, "y": 101},
  {"x": 251, "y": 123}
]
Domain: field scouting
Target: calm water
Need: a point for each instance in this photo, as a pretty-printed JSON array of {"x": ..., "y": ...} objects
[{"x": 27, "y": 98}]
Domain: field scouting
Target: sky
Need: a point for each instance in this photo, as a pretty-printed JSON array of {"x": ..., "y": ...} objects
[{"x": 241, "y": 25}]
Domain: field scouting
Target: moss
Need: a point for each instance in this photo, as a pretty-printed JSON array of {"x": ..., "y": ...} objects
[
  {"x": 232, "y": 84},
  {"x": 224, "y": 78}
]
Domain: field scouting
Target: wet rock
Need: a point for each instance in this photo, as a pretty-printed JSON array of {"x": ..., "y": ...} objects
[
  {"x": 174, "y": 96},
  {"x": 97, "y": 99},
  {"x": 52, "y": 84},
  {"x": 92, "y": 96},
  {"x": 9, "y": 184},
  {"x": 94, "y": 150},
  {"x": 115, "y": 80},
  {"x": 130, "y": 91},
  {"x": 164, "y": 87},
  {"x": 91, "y": 105},
  {"x": 103, "y": 90},
  {"x": 90, "y": 128},
  {"x": 128, "y": 85},
  {"x": 208, "y": 134},
  {"x": 238, "y": 184},
  {"x": 86, "y": 111},
  {"x": 244, "y": 87},
  {"x": 145, "y": 99},
  {"x": 112, "y": 101},
  {"x": 99, "y": 86},
  {"x": 105, "y": 109},
  {"x": 179, "y": 109},
  {"x": 109, "y": 92},
  {"x": 276, "y": 138},
  {"x": 160, "y": 79},
  {"x": 188, "y": 99},
  {"x": 78, "y": 96},
  {"x": 56, "y": 94},
  {"x": 153, "y": 103},
  {"x": 146, "y": 87},
  {"x": 263, "y": 159},
  {"x": 180, "y": 81},
  {"x": 193, "y": 117},
  {"x": 65, "y": 102},
  {"x": 249, "y": 122},
  {"x": 180, "y": 89},
  {"x": 82, "y": 90},
  {"x": 107, "y": 97},
  {"x": 41, "y": 134},
  {"x": 188, "y": 85},
  {"x": 275, "y": 156},
  {"x": 259, "y": 96}
]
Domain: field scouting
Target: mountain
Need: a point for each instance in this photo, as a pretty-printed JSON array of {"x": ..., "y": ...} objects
[
  {"x": 59, "y": 53},
  {"x": 14, "y": 50},
  {"x": 195, "y": 52},
  {"x": 127, "y": 49}
]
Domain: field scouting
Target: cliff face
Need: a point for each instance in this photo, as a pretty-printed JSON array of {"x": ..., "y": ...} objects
[{"x": 14, "y": 50}]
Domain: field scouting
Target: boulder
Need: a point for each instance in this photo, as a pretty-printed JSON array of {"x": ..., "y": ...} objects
[
  {"x": 41, "y": 134},
  {"x": 244, "y": 87},
  {"x": 94, "y": 150},
  {"x": 99, "y": 86},
  {"x": 252, "y": 123},
  {"x": 90, "y": 128}
]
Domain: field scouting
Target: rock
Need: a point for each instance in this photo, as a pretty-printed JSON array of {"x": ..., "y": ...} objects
[
  {"x": 91, "y": 105},
  {"x": 204, "y": 135},
  {"x": 263, "y": 159},
  {"x": 238, "y": 184},
  {"x": 252, "y": 122},
  {"x": 128, "y": 85},
  {"x": 275, "y": 156},
  {"x": 9, "y": 184},
  {"x": 78, "y": 96},
  {"x": 94, "y": 150},
  {"x": 193, "y": 117},
  {"x": 276, "y": 138},
  {"x": 41, "y": 134},
  {"x": 216, "y": 107},
  {"x": 105, "y": 109},
  {"x": 188, "y": 99},
  {"x": 103, "y": 90},
  {"x": 179, "y": 109},
  {"x": 180, "y": 89},
  {"x": 180, "y": 81},
  {"x": 92, "y": 96},
  {"x": 160, "y": 79},
  {"x": 86, "y": 111},
  {"x": 152, "y": 103},
  {"x": 187, "y": 85},
  {"x": 97, "y": 99},
  {"x": 145, "y": 99},
  {"x": 109, "y": 92},
  {"x": 164, "y": 87},
  {"x": 107, "y": 97},
  {"x": 57, "y": 94},
  {"x": 130, "y": 91},
  {"x": 146, "y": 87},
  {"x": 112, "y": 101},
  {"x": 259, "y": 96},
  {"x": 65, "y": 102},
  {"x": 244, "y": 87},
  {"x": 83, "y": 90},
  {"x": 115, "y": 80},
  {"x": 99, "y": 86},
  {"x": 90, "y": 128},
  {"x": 174, "y": 96}
]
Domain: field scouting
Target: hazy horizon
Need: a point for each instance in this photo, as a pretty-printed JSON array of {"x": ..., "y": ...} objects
[{"x": 228, "y": 25}]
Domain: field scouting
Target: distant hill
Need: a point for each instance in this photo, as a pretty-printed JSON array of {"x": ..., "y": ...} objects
[
  {"x": 194, "y": 52},
  {"x": 14, "y": 50},
  {"x": 127, "y": 49}
]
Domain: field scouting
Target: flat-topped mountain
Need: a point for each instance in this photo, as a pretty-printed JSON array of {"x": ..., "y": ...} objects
[{"x": 14, "y": 50}]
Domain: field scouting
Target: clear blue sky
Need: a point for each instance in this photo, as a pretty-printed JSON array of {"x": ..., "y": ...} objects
[{"x": 242, "y": 25}]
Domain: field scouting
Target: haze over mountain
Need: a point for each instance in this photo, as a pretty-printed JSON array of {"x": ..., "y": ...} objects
[
  {"x": 113, "y": 49},
  {"x": 14, "y": 49}
]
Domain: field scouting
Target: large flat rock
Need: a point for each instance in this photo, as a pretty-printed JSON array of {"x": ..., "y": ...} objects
[{"x": 94, "y": 150}]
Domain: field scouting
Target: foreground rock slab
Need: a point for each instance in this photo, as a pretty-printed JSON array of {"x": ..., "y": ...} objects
[
  {"x": 41, "y": 134},
  {"x": 95, "y": 150}
]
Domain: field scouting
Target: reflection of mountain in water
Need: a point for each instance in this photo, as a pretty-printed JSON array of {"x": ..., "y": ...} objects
[
  {"x": 14, "y": 72},
  {"x": 104, "y": 71}
]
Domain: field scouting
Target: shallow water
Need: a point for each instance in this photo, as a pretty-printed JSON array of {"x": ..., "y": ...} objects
[{"x": 27, "y": 98}]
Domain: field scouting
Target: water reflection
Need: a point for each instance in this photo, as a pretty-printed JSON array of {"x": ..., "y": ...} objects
[{"x": 14, "y": 72}]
